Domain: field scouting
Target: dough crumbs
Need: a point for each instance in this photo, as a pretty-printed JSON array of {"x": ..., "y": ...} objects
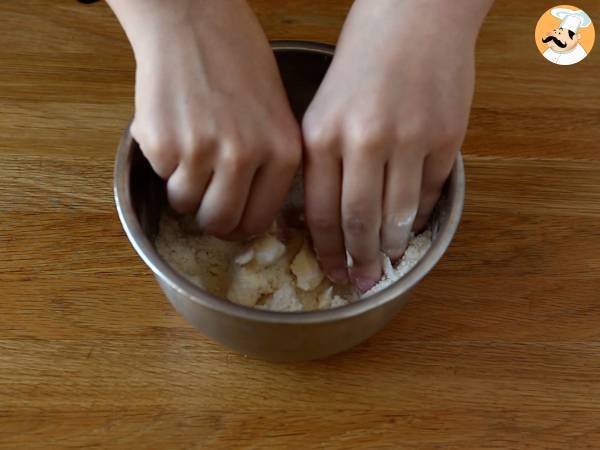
[
  {"x": 306, "y": 268},
  {"x": 266, "y": 250},
  {"x": 283, "y": 299},
  {"x": 418, "y": 246},
  {"x": 277, "y": 271},
  {"x": 327, "y": 300}
]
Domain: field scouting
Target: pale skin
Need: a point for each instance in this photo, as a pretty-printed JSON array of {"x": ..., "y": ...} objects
[{"x": 379, "y": 138}]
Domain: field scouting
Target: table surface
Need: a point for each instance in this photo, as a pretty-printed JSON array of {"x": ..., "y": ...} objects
[{"x": 499, "y": 347}]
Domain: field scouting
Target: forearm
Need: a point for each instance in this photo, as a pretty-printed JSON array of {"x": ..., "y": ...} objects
[
  {"x": 144, "y": 21},
  {"x": 452, "y": 13},
  {"x": 136, "y": 16},
  {"x": 456, "y": 20},
  {"x": 460, "y": 19}
]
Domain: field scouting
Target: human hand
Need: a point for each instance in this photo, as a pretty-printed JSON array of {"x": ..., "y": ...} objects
[
  {"x": 211, "y": 113},
  {"x": 383, "y": 131}
]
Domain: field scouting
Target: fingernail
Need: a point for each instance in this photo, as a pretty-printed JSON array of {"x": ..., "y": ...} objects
[
  {"x": 338, "y": 276},
  {"x": 395, "y": 253},
  {"x": 364, "y": 283},
  {"x": 396, "y": 232}
]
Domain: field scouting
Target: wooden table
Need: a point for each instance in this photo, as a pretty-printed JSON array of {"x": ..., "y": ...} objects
[{"x": 500, "y": 347}]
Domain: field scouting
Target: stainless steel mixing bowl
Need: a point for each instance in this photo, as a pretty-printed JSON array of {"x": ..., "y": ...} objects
[{"x": 140, "y": 196}]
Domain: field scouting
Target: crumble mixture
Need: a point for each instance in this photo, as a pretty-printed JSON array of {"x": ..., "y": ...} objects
[{"x": 278, "y": 271}]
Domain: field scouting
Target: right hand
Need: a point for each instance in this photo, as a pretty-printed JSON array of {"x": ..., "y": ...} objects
[
  {"x": 212, "y": 116},
  {"x": 384, "y": 128}
]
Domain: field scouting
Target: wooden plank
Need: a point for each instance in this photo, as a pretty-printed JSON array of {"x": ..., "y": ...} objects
[{"x": 497, "y": 349}]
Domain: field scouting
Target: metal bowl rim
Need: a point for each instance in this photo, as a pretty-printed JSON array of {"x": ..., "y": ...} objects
[{"x": 166, "y": 274}]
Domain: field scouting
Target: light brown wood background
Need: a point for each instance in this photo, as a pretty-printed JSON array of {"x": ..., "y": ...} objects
[{"x": 499, "y": 348}]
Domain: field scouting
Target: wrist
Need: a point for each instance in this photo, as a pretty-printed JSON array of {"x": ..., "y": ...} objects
[
  {"x": 150, "y": 22},
  {"x": 459, "y": 19},
  {"x": 145, "y": 20}
]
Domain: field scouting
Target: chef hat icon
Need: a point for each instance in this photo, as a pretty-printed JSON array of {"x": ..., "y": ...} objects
[{"x": 572, "y": 19}]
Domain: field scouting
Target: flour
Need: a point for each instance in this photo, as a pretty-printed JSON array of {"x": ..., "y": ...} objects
[
  {"x": 271, "y": 272},
  {"x": 417, "y": 248}
]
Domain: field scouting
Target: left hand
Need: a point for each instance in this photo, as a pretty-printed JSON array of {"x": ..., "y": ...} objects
[{"x": 384, "y": 128}]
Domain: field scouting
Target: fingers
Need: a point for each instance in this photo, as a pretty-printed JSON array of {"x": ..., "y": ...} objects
[
  {"x": 322, "y": 198},
  {"x": 220, "y": 180},
  {"x": 436, "y": 169},
  {"x": 186, "y": 186},
  {"x": 187, "y": 173},
  {"x": 362, "y": 195},
  {"x": 160, "y": 152},
  {"x": 401, "y": 201},
  {"x": 222, "y": 205},
  {"x": 267, "y": 194}
]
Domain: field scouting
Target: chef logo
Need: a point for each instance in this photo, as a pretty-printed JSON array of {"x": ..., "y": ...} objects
[{"x": 565, "y": 35}]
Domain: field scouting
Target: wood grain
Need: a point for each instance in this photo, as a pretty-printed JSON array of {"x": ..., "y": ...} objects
[{"x": 499, "y": 348}]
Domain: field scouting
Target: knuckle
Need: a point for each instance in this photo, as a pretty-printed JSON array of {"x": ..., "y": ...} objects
[
  {"x": 197, "y": 146},
  {"x": 367, "y": 140},
  {"x": 356, "y": 224},
  {"x": 160, "y": 151},
  {"x": 235, "y": 154},
  {"x": 318, "y": 135},
  {"x": 198, "y": 142},
  {"x": 180, "y": 198},
  {"x": 154, "y": 144},
  {"x": 446, "y": 134},
  {"x": 412, "y": 134},
  {"x": 135, "y": 129},
  {"x": 236, "y": 160},
  {"x": 322, "y": 223},
  {"x": 150, "y": 138},
  {"x": 231, "y": 139},
  {"x": 448, "y": 138},
  {"x": 205, "y": 138},
  {"x": 198, "y": 156},
  {"x": 365, "y": 130}
]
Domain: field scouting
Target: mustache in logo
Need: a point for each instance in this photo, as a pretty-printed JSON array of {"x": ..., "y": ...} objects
[{"x": 556, "y": 41}]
